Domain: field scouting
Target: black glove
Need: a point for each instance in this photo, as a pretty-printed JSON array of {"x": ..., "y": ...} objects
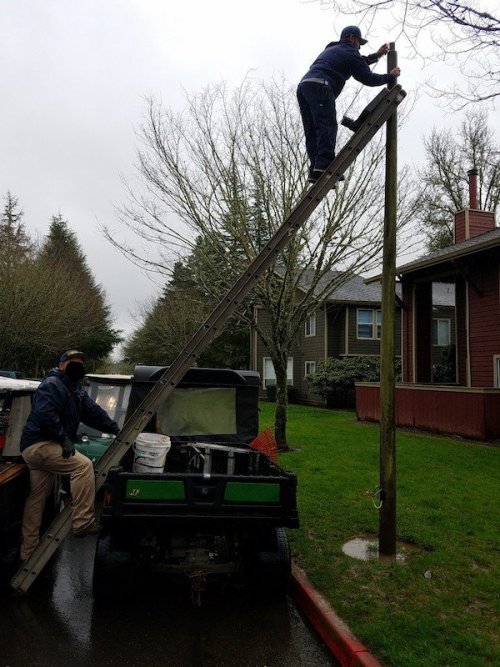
[{"x": 68, "y": 448}]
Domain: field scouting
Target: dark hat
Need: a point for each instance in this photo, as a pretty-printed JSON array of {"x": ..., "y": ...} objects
[
  {"x": 353, "y": 30},
  {"x": 71, "y": 354}
]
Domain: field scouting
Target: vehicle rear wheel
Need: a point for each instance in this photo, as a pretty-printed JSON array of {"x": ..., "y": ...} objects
[
  {"x": 273, "y": 563},
  {"x": 113, "y": 578}
]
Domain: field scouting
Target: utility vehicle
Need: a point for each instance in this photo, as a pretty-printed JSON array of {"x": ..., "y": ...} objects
[{"x": 219, "y": 506}]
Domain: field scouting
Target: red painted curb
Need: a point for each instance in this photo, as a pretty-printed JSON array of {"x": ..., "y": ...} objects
[{"x": 333, "y": 631}]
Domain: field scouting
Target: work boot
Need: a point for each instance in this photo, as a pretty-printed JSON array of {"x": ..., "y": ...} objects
[
  {"x": 351, "y": 124},
  {"x": 319, "y": 172},
  {"x": 92, "y": 529},
  {"x": 315, "y": 174}
]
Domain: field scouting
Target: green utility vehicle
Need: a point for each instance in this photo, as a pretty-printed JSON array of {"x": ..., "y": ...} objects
[
  {"x": 15, "y": 405},
  {"x": 215, "y": 508},
  {"x": 112, "y": 392}
]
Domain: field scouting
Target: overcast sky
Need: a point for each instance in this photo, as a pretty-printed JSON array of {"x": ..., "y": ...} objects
[{"x": 74, "y": 75}]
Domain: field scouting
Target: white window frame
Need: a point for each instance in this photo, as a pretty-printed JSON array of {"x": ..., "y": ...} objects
[
  {"x": 311, "y": 364},
  {"x": 310, "y": 326},
  {"x": 496, "y": 369},
  {"x": 439, "y": 320},
  {"x": 375, "y": 324},
  {"x": 271, "y": 378}
]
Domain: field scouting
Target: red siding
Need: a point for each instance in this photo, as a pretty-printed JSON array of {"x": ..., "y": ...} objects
[
  {"x": 468, "y": 413},
  {"x": 471, "y": 223},
  {"x": 480, "y": 222},
  {"x": 460, "y": 232}
]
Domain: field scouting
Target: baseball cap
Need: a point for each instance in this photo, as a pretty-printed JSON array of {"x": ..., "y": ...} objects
[
  {"x": 353, "y": 30},
  {"x": 71, "y": 354}
]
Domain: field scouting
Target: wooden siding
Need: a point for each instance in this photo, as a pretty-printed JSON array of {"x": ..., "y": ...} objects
[
  {"x": 471, "y": 223},
  {"x": 364, "y": 346},
  {"x": 336, "y": 331},
  {"x": 484, "y": 322},
  {"x": 369, "y": 346},
  {"x": 460, "y": 229},
  {"x": 470, "y": 413},
  {"x": 480, "y": 222},
  {"x": 313, "y": 347},
  {"x": 309, "y": 348}
]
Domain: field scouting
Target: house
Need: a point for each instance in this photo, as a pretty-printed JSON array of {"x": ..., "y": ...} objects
[
  {"x": 468, "y": 403},
  {"x": 347, "y": 323}
]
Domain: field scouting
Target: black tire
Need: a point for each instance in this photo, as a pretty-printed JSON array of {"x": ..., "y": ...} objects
[
  {"x": 113, "y": 578},
  {"x": 272, "y": 565}
]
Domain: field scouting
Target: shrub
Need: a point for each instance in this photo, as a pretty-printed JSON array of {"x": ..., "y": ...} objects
[
  {"x": 444, "y": 371},
  {"x": 335, "y": 374},
  {"x": 292, "y": 393}
]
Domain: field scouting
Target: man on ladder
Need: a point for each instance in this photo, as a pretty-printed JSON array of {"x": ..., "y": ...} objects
[{"x": 323, "y": 83}]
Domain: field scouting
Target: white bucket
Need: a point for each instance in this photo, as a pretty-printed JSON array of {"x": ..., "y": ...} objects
[{"x": 150, "y": 451}]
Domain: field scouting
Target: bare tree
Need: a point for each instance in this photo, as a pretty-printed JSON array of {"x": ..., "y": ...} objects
[
  {"x": 230, "y": 168},
  {"x": 444, "y": 182},
  {"x": 462, "y": 33}
]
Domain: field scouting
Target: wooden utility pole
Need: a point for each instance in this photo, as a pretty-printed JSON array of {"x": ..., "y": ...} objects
[{"x": 387, "y": 517}]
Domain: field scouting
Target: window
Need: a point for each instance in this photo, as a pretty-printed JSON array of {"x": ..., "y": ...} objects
[
  {"x": 440, "y": 332},
  {"x": 369, "y": 323},
  {"x": 199, "y": 411},
  {"x": 309, "y": 368},
  {"x": 270, "y": 376},
  {"x": 310, "y": 325}
]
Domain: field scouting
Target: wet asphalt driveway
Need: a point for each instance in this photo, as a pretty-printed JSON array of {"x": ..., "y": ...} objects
[{"x": 57, "y": 625}]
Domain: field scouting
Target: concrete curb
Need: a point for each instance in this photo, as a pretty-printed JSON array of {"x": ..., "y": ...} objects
[{"x": 333, "y": 631}]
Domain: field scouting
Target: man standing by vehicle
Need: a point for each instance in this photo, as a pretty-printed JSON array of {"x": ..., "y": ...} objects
[
  {"x": 323, "y": 83},
  {"x": 47, "y": 446}
]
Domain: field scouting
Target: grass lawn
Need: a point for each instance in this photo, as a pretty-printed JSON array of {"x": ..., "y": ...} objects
[{"x": 447, "y": 508}]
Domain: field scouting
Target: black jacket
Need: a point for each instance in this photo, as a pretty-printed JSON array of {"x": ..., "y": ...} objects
[
  {"x": 341, "y": 60},
  {"x": 57, "y": 409}
]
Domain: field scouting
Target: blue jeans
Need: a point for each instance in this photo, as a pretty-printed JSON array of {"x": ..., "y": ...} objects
[{"x": 319, "y": 118}]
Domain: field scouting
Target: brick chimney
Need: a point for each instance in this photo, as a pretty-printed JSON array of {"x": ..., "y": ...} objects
[{"x": 472, "y": 221}]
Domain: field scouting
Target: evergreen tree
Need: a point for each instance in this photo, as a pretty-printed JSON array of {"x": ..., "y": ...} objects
[
  {"x": 171, "y": 320},
  {"x": 15, "y": 244},
  {"x": 83, "y": 319},
  {"x": 16, "y": 250}
]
